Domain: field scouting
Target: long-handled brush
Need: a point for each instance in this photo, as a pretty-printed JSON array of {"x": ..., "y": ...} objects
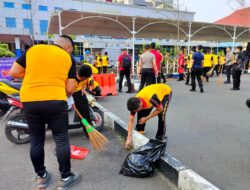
[
  {"x": 210, "y": 72},
  {"x": 220, "y": 78},
  {"x": 97, "y": 140}
]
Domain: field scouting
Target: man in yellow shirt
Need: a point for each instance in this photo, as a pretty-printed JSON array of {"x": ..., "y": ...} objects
[
  {"x": 80, "y": 98},
  {"x": 155, "y": 95},
  {"x": 105, "y": 62},
  {"x": 208, "y": 63},
  {"x": 99, "y": 62},
  {"x": 49, "y": 76}
]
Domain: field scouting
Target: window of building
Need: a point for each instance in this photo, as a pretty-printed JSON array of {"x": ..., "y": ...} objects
[
  {"x": 8, "y": 5},
  {"x": 57, "y": 8},
  {"x": 10, "y": 22},
  {"x": 43, "y": 8},
  {"x": 43, "y": 27},
  {"x": 27, "y": 24},
  {"x": 72, "y": 9},
  {"x": 26, "y": 6}
]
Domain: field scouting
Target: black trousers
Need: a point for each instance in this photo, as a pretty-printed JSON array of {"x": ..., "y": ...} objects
[
  {"x": 82, "y": 105},
  {"x": 196, "y": 73},
  {"x": 161, "y": 132},
  {"x": 181, "y": 76},
  {"x": 188, "y": 76},
  {"x": 156, "y": 79},
  {"x": 99, "y": 70},
  {"x": 205, "y": 70},
  {"x": 228, "y": 72},
  {"x": 104, "y": 69},
  {"x": 125, "y": 73},
  {"x": 162, "y": 76},
  {"x": 53, "y": 113},
  {"x": 146, "y": 77},
  {"x": 236, "y": 79},
  {"x": 97, "y": 91}
]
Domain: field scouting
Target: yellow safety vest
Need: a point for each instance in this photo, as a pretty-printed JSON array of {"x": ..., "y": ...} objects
[
  {"x": 105, "y": 61},
  {"x": 207, "y": 60}
]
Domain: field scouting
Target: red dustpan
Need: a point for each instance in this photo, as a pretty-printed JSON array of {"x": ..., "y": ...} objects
[{"x": 78, "y": 153}]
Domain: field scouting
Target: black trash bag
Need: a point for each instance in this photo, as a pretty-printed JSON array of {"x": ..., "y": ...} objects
[{"x": 141, "y": 162}]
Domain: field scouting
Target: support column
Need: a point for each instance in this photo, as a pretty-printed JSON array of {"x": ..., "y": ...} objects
[
  {"x": 18, "y": 47},
  {"x": 60, "y": 22},
  {"x": 234, "y": 37},
  {"x": 133, "y": 46},
  {"x": 189, "y": 36}
]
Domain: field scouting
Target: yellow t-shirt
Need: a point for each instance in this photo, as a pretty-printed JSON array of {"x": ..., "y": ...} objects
[
  {"x": 47, "y": 68},
  {"x": 79, "y": 85},
  {"x": 98, "y": 61},
  {"x": 105, "y": 61},
  {"x": 148, "y": 94},
  {"x": 86, "y": 84},
  {"x": 189, "y": 64},
  {"x": 215, "y": 59},
  {"x": 208, "y": 60},
  {"x": 222, "y": 60}
]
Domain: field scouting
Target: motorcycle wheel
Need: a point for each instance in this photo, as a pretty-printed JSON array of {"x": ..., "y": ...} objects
[
  {"x": 98, "y": 124},
  {"x": 15, "y": 134}
]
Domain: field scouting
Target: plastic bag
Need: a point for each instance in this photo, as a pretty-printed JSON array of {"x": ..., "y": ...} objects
[{"x": 141, "y": 162}]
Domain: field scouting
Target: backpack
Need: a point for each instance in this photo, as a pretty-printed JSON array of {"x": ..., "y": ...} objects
[{"x": 126, "y": 62}]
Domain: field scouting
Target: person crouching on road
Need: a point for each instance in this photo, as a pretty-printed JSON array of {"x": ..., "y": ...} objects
[
  {"x": 93, "y": 87},
  {"x": 155, "y": 95},
  {"x": 80, "y": 98}
]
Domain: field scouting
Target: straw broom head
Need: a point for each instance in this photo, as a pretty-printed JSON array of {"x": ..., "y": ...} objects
[
  {"x": 97, "y": 140},
  {"x": 210, "y": 72},
  {"x": 219, "y": 81}
]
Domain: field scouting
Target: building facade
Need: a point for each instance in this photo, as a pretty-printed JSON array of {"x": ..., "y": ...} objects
[{"x": 24, "y": 21}]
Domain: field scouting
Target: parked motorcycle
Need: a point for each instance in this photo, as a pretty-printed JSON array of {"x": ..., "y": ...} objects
[
  {"x": 17, "y": 131},
  {"x": 7, "y": 88}
]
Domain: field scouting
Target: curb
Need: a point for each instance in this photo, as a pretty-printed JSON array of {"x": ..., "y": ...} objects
[{"x": 182, "y": 176}]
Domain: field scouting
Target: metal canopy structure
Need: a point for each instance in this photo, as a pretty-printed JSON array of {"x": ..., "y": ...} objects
[
  {"x": 79, "y": 23},
  {"x": 8, "y": 38}
]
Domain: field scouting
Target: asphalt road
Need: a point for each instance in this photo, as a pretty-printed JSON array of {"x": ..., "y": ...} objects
[
  {"x": 209, "y": 132},
  {"x": 99, "y": 170}
]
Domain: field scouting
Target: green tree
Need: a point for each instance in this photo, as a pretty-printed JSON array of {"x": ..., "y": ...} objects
[
  {"x": 76, "y": 50},
  {"x": 5, "y": 52}
]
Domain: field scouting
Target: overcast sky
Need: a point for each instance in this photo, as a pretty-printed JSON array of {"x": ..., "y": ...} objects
[{"x": 210, "y": 10}]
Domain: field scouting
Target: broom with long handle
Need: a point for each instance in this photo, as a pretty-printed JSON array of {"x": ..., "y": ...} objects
[
  {"x": 97, "y": 140},
  {"x": 220, "y": 78},
  {"x": 210, "y": 72}
]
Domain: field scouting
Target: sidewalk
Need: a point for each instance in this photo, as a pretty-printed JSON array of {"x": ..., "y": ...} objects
[{"x": 99, "y": 170}]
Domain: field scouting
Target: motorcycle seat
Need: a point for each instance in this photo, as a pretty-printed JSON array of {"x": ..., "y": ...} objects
[{"x": 14, "y": 85}]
